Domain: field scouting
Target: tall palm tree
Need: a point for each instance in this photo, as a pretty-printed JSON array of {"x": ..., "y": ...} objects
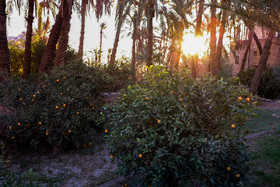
[
  {"x": 49, "y": 52},
  {"x": 64, "y": 34},
  {"x": 213, "y": 39},
  {"x": 27, "y": 52},
  {"x": 4, "y": 50},
  {"x": 198, "y": 31},
  {"x": 103, "y": 26},
  {"x": 250, "y": 38},
  {"x": 122, "y": 11},
  {"x": 262, "y": 63}
]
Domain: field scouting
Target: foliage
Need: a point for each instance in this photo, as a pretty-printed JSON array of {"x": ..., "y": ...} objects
[
  {"x": 269, "y": 85},
  {"x": 62, "y": 110},
  {"x": 176, "y": 130},
  {"x": 29, "y": 178},
  {"x": 119, "y": 74}
]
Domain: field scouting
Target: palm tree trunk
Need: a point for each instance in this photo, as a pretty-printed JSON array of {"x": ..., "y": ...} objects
[
  {"x": 221, "y": 37},
  {"x": 262, "y": 63},
  {"x": 82, "y": 34},
  {"x": 133, "y": 59},
  {"x": 213, "y": 39},
  {"x": 64, "y": 35},
  {"x": 194, "y": 65},
  {"x": 198, "y": 31},
  {"x": 4, "y": 49},
  {"x": 258, "y": 43},
  {"x": 27, "y": 52},
  {"x": 150, "y": 16},
  {"x": 100, "y": 47},
  {"x": 49, "y": 52},
  {"x": 251, "y": 31}
]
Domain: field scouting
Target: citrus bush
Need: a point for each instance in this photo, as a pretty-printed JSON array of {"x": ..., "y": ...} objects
[
  {"x": 62, "y": 109},
  {"x": 175, "y": 130}
]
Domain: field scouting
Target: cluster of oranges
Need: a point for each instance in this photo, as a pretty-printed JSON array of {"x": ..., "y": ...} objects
[
  {"x": 247, "y": 99},
  {"x": 237, "y": 175}
]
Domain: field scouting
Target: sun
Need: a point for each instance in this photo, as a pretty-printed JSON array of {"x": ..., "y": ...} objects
[{"x": 194, "y": 45}]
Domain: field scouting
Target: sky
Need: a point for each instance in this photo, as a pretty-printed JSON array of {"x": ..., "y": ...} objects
[{"x": 92, "y": 29}]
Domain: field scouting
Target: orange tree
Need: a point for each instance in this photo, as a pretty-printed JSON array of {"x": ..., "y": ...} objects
[
  {"x": 62, "y": 110},
  {"x": 175, "y": 130}
]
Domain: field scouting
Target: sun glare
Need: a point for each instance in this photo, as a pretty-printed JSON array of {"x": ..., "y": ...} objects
[{"x": 194, "y": 45}]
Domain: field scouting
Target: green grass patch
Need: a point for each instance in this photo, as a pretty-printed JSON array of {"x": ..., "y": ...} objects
[
  {"x": 263, "y": 120},
  {"x": 265, "y": 164}
]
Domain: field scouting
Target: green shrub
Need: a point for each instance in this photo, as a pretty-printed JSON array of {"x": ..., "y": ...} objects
[
  {"x": 269, "y": 86},
  {"x": 63, "y": 109},
  {"x": 174, "y": 130}
]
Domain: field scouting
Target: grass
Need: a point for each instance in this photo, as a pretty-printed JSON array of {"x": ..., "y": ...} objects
[
  {"x": 265, "y": 163},
  {"x": 263, "y": 120}
]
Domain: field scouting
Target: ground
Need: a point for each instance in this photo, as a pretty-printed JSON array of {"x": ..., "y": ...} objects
[{"x": 92, "y": 166}]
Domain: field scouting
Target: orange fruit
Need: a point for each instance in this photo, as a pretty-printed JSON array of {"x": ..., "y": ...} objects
[
  {"x": 47, "y": 133},
  {"x": 172, "y": 92},
  {"x": 32, "y": 100},
  {"x": 57, "y": 80},
  {"x": 40, "y": 123},
  {"x": 247, "y": 99},
  {"x": 69, "y": 131},
  {"x": 10, "y": 127},
  {"x": 92, "y": 108},
  {"x": 34, "y": 95},
  {"x": 89, "y": 143},
  {"x": 181, "y": 99},
  {"x": 123, "y": 99},
  {"x": 19, "y": 89},
  {"x": 237, "y": 175},
  {"x": 64, "y": 105},
  {"x": 13, "y": 137},
  {"x": 239, "y": 98},
  {"x": 61, "y": 93},
  {"x": 112, "y": 157},
  {"x": 233, "y": 126},
  {"x": 64, "y": 77},
  {"x": 57, "y": 107},
  {"x": 147, "y": 98},
  {"x": 185, "y": 106},
  {"x": 140, "y": 156},
  {"x": 106, "y": 130},
  {"x": 228, "y": 168},
  {"x": 78, "y": 113},
  {"x": 20, "y": 99},
  {"x": 18, "y": 124},
  {"x": 27, "y": 124},
  {"x": 158, "y": 121}
]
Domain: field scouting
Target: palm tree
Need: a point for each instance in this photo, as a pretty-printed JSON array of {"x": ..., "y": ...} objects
[
  {"x": 150, "y": 13},
  {"x": 49, "y": 52},
  {"x": 213, "y": 39},
  {"x": 262, "y": 63},
  {"x": 64, "y": 34},
  {"x": 122, "y": 11},
  {"x": 250, "y": 38},
  {"x": 103, "y": 26},
  {"x": 4, "y": 50},
  {"x": 198, "y": 31},
  {"x": 27, "y": 52}
]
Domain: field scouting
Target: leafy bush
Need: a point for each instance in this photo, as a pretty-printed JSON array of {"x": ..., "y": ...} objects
[
  {"x": 174, "y": 130},
  {"x": 63, "y": 109},
  {"x": 269, "y": 86}
]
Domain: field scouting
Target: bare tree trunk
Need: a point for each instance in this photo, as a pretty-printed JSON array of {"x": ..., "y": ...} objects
[
  {"x": 150, "y": 15},
  {"x": 49, "y": 52},
  {"x": 64, "y": 36},
  {"x": 262, "y": 63},
  {"x": 27, "y": 52},
  {"x": 251, "y": 31},
  {"x": 221, "y": 37},
  {"x": 4, "y": 49},
  {"x": 198, "y": 30},
  {"x": 194, "y": 65},
  {"x": 213, "y": 40},
  {"x": 258, "y": 43},
  {"x": 82, "y": 34}
]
